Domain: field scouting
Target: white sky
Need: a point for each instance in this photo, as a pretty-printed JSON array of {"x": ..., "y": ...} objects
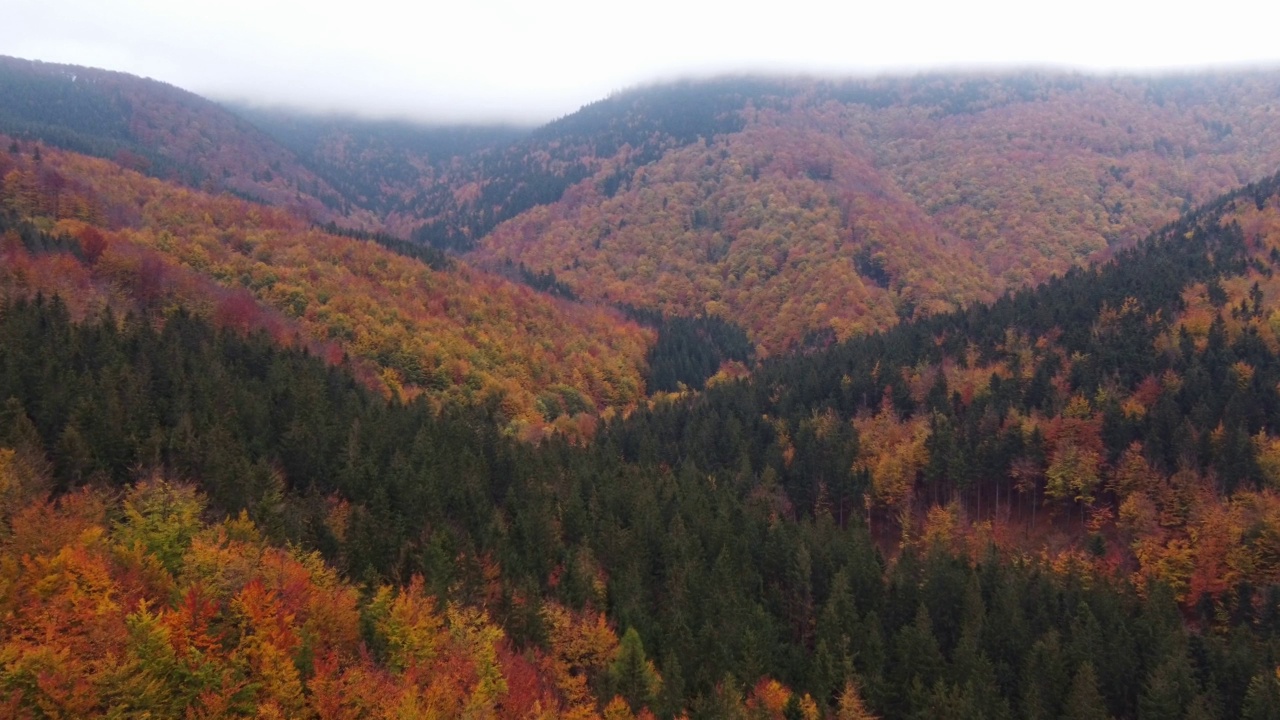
[{"x": 523, "y": 61}]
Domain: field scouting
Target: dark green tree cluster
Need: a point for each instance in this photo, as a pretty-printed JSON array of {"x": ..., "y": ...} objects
[
  {"x": 72, "y": 108},
  {"x": 971, "y": 450},
  {"x": 431, "y": 257},
  {"x": 649, "y": 121},
  {"x": 41, "y": 102},
  {"x": 545, "y": 281},
  {"x": 376, "y": 152},
  {"x": 688, "y": 351}
]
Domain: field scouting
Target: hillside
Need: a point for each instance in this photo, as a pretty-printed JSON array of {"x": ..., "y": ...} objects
[
  {"x": 163, "y": 131},
  {"x": 448, "y": 187},
  {"x": 188, "y": 615},
  {"x": 836, "y": 208},
  {"x": 460, "y": 335},
  {"x": 782, "y": 228},
  {"x": 382, "y": 166},
  {"x": 269, "y": 469},
  {"x": 804, "y": 211},
  {"x": 1060, "y": 503}
]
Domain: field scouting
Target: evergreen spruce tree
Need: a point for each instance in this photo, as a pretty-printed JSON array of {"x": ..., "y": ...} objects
[
  {"x": 1168, "y": 691},
  {"x": 1201, "y": 708},
  {"x": 1262, "y": 701},
  {"x": 1084, "y": 701},
  {"x": 632, "y": 675}
]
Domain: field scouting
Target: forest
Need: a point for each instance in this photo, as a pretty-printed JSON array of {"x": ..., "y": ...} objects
[
  {"x": 416, "y": 320},
  {"x": 750, "y": 399},
  {"x": 793, "y": 543},
  {"x": 839, "y": 212}
]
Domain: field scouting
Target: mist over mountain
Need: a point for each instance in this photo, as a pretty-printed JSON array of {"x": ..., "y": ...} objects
[{"x": 954, "y": 395}]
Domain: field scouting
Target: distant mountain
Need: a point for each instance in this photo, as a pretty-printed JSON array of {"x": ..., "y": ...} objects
[
  {"x": 378, "y": 165},
  {"x": 163, "y": 131},
  {"x": 450, "y": 186},
  {"x": 809, "y": 211},
  {"x": 805, "y": 211},
  {"x": 828, "y": 209}
]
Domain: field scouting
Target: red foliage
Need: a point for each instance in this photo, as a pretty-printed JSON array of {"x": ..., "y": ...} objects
[
  {"x": 92, "y": 243},
  {"x": 238, "y": 310}
]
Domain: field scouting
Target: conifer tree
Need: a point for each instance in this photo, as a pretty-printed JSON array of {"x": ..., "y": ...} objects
[
  {"x": 1084, "y": 701},
  {"x": 1262, "y": 702},
  {"x": 1168, "y": 691},
  {"x": 632, "y": 675}
]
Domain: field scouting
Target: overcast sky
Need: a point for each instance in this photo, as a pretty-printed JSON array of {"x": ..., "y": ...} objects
[{"x": 496, "y": 60}]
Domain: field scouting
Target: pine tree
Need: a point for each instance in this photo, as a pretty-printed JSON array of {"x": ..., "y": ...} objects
[
  {"x": 1045, "y": 679},
  {"x": 1262, "y": 702},
  {"x": 632, "y": 675},
  {"x": 917, "y": 663},
  {"x": 1201, "y": 708},
  {"x": 1169, "y": 690},
  {"x": 1084, "y": 701}
]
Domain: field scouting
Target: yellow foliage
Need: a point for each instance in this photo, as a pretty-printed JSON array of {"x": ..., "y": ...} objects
[
  {"x": 1268, "y": 457},
  {"x": 893, "y": 452},
  {"x": 9, "y": 486},
  {"x": 850, "y": 705},
  {"x": 617, "y": 709},
  {"x": 581, "y": 646},
  {"x": 409, "y": 327},
  {"x": 1242, "y": 373},
  {"x": 1073, "y": 472},
  {"x": 940, "y": 525},
  {"x": 407, "y": 622}
]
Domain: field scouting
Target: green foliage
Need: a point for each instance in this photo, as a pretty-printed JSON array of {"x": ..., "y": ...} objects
[
  {"x": 1262, "y": 702},
  {"x": 1085, "y": 702},
  {"x": 690, "y": 350},
  {"x": 632, "y": 675},
  {"x": 160, "y": 518}
]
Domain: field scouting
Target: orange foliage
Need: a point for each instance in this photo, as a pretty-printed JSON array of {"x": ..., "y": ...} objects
[
  {"x": 244, "y": 628},
  {"x": 837, "y": 217},
  {"x": 894, "y": 452},
  {"x": 582, "y": 646},
  {"x": 742, "y": 228},
  {"x": 461, "y": 335}
]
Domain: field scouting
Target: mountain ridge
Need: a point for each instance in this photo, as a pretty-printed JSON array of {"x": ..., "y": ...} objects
[
  {"x": 154, "y": 127},
  {"x": 1058, "y": 497}
]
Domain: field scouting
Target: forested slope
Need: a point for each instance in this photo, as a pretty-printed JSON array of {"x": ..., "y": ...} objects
[
  {"x": 163, "y": 131},
  {"x": 380, "y": 164},
  {"x": 136, "y": 606},
  {"x": 1060, "y": 501},
  {"x": 457, "y": 334},
  {"x": 1060, "y": 504},
  {"x": 806, "y": 211},
  {"x": 837, "y": 207},
  {"x": 448, "y": 187}
]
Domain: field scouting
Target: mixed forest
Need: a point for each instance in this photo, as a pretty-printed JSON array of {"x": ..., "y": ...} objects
[{"x": 753, "y": 399}]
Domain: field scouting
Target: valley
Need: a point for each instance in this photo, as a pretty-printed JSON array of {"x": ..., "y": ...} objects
[{"x": 933, "y": 396}]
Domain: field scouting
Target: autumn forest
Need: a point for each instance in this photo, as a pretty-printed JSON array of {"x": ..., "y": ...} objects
[{"x": 953, "y": 396}]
